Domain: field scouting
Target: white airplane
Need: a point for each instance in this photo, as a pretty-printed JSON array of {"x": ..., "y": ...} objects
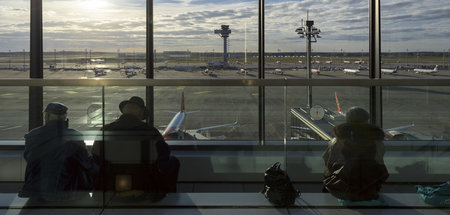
[
  {"x": 427, "y": 71},
  {"x": 317, "y": 71},
  {"x": 352, "y": 71},
  {"x": 360, "y": 61},
  {"x": 99, "y": 71},
  {"x": 207, "y": 72},
  {"x": 390, "y": 71},
  {"x": 277, "y": 72},
  {"x": 329, "y": 62},
  {"x": 174, "y": 129},
  {"x": 346, "y": 61},
  {"x": 242, "y": 71}
]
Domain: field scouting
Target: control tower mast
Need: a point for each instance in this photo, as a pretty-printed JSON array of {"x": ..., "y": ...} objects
[{"x": 224, "y": 33}]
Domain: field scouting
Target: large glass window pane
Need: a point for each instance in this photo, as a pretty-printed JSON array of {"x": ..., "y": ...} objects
[
  {"x": 14, "y": 39},
  {"x": 416, "y": 122},
  {"x": 89, "y": 39},
  {"x": 415, "y": 39},
  {"x": 341, "y": 50},
  {"x": 189, "y": 39}
]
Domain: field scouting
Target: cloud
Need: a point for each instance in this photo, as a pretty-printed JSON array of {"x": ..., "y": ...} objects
[{"x": 190, "y": 24}]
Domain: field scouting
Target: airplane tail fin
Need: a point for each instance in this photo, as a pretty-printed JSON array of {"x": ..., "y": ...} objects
[
  {"x": 318, "y": 69},
  {"x": 435, "y": 68},
  {"x": 182, "y": 102},
  {"x": 396, "y": 69},
  {"x": 338, "y": 104}
]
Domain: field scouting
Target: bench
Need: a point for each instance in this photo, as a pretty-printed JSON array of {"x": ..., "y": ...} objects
[{"x": 223, "y": 203}]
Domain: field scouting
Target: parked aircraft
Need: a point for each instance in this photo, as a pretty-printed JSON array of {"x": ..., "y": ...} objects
[
  {"x": 242, "y": 71},
  {"x": 346, "y": 61},
  {"x": 352, "y": 71},
  {"x": 207, "y": 72},
  {"x": 390, "y": 71},
  {"x": 317, "y": 71},
  {"x": 277, "y": 72},
  {"x": 329, "y": 62},
  {"x": 360, "y": 61},
  {"x": 99, "y": 71},
  {"x": 174, "y": 129},
  {"x": 427, "y": 71}
]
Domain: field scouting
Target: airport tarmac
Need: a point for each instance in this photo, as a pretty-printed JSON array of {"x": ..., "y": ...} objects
[{"x": 426, "y": 107}]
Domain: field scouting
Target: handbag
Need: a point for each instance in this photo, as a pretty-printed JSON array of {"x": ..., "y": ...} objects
[{"x": 278, "y": 187}]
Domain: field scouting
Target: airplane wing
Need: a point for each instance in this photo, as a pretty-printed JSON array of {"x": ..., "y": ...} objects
[
  {"x": 213, "y": 127},
  {"x": 399, "y": 128}
]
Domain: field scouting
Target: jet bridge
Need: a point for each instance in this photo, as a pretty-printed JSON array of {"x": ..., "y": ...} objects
[{"x": 303, "y": 127}]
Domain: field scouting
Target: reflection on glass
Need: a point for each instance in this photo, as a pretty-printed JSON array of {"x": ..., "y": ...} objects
[
  {"x": 415, "y": 38},
  {"x": 94, "y": 39},
  {"x": 14, "y": 39},
  {"x": 416, "y": 113},
  {"x": 328, "y": 108},
  {"x": 339, "y": 43},
  {"x": 206, "y": 39}
]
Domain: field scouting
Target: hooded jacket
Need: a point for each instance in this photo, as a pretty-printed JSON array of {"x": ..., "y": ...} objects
[
  {"x": 354, "y": 166},
  {"x": 58, "y": 163}
]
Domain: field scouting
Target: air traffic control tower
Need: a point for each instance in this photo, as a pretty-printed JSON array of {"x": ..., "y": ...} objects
[{"x": 224, "y": 33}]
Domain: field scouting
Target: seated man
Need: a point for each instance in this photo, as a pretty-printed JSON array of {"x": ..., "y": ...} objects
[
  {"x": 134, "y": 155},
  {"x": 59, "y": 167},
  {"x": 354, "y": 166}
]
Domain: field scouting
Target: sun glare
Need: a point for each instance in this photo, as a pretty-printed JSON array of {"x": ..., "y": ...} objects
[{"x": 93, "y": 4}]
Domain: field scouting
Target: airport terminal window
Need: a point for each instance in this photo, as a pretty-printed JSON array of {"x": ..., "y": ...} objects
[
  {"x": 414, "y": 39},
  {"x": 339, "y": 47},
  {"x": 94, "y": 39},
  {"x": 189, "y": 41},
  {"x": 186, "y": 46},
  {"x": 14, "y": 39}
]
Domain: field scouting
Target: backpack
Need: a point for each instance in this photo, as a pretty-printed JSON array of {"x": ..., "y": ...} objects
[
  {"x": 437, "y": 195},
  {"x": 278, "y": 188}
]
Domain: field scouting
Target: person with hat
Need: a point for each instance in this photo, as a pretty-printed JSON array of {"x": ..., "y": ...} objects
[
  {"x": 161, "y": 173},
  {"x": 354, "y": 166},
  {"x": 59, "y": 166}
]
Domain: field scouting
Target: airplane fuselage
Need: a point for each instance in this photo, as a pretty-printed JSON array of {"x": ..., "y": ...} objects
[
  {"x": 427, "y": 71},
  {"x": 352, "y": 71},
  {"x": 175, "y": 124}
]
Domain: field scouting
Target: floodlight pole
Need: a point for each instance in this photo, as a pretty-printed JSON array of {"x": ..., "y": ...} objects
[
  {"x": 310, "y": 32},
  {"x": 309, "y": 24}
]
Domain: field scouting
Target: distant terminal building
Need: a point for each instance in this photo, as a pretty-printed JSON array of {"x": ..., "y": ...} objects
[{"x": 177, "y": 54}]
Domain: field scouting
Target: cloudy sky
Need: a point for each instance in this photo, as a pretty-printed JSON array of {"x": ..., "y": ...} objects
[{"x": 109, "y": 25}]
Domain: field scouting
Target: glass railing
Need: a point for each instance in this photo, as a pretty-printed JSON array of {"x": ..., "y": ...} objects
[{"x": 214, "y": 130}]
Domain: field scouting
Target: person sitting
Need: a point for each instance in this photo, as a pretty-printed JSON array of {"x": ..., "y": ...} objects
[
  {"x": 59, "y": 166},
  {"x": 134, "y": 155},
  {"x": 354, "y": 166}
]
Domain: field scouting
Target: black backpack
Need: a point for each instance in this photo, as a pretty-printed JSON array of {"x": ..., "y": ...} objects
[{"x": 278, "y": 188}]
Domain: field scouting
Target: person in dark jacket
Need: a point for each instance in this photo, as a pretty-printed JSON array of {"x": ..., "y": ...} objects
[
  {"x": 59, "y": 166},
  {"x": 161, "y": 173},
  {"x": 354, "y": 166}
]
